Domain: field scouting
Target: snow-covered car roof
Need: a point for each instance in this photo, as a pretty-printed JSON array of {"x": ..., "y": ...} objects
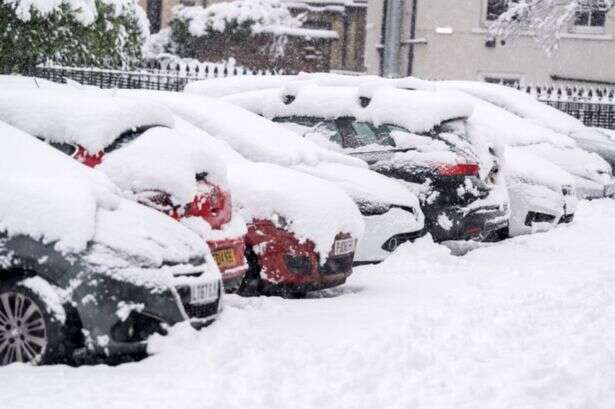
[
  {"x": 315, "y": 209},
  {"x": 73, "y": 116},
  {"x": 417, "y": 111},
  {"x": 223, "y": 86},
  {"x": 163, "y": 159},
  {"x": 51, "y": 197},
  {"x": 500, "y": 125},
  {"x": 519, "y": 103},
  {"x": 527, "y": 167},
  {"x": 252, "y": 136}
]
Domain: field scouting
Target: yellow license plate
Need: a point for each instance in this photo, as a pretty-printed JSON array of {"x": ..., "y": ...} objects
[{"x": 225, "y": 258}]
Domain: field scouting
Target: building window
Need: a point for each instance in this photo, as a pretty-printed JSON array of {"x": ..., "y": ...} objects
[
  {"x": 495, "y": 8},
  {"x": 590, "y": 19}
]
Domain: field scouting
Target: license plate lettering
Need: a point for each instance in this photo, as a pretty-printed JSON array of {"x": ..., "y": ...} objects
[
  {"x": 203, "y": 293},
  {"x": 343, "y": 247},
  {"x": 225, "y": 258}
]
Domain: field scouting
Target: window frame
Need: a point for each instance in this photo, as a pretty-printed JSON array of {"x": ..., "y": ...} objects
[{"x": 588, "y": 28}]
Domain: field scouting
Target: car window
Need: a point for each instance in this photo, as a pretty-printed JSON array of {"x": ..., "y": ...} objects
[
  {"x": 317, "y": 129},
  {"x": 364, "y": 133},
  {"x": 123, "y": 140},
  {"x": 62, "y": 147}
]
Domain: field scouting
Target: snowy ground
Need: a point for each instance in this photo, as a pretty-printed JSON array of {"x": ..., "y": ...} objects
[{"x": 529, "y": 323}]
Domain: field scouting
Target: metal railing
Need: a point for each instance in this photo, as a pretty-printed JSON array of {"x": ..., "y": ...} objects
[
  {"x": 594, "y": 106},
  {"x": 157, "y": 76}
]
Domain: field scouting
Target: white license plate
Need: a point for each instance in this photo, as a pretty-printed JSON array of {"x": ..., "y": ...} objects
[
  {"x": 343, "y": 246},
  {"x": 203, "y": 293}
]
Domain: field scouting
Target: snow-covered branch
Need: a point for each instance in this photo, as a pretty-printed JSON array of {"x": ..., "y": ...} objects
[{"x": 547, "y": 19}]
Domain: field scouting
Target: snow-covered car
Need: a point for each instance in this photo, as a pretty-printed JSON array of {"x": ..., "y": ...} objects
[
  {"x": 133, "y": 144},
  {"x": 391, "y": 212},
  {"x": 419, "y": 138},
  {"x": 555, "y": 134},
  {"x": 302, "y": 231},
  {"x": 541, "y": 193},
  {"x": 597, "y": 140},
  {"x": 83, "y": 271}
]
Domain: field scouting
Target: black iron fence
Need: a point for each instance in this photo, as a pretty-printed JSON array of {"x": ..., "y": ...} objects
[
  {"x": 594, "y": 106},
  {"x": 165, "y": 76}
]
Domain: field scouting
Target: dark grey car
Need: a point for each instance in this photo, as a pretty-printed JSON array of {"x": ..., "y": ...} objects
[
  {"x": 85, "y": 273},
  {"x": 55, "y": 307}
]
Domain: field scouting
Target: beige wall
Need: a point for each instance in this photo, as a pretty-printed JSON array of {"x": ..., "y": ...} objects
[{"x": 463, "y": 54}]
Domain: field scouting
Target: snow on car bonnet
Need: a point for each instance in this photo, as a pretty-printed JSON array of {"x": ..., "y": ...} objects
[
  {"x": 53, "y": 198},
  {"x": 535, "y": 170},
  {"x": 314, "y": 209},
  {"x": 71, "y": 116},
  {"x": 163, "y": 159},
  {"x": 252, "y": 136}
]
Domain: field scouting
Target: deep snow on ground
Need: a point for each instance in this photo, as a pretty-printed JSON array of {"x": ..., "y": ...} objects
[{"x": 528, "y": 323}]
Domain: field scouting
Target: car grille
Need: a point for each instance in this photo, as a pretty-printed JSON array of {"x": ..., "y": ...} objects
[
  {"x": 201, "y": 310},
  {"x": 338, "y": 265}
]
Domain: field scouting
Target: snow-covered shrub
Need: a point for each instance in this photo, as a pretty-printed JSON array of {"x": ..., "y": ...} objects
[
  {"x": 234, "y": 21},
  {"x": 75, "y": 32}
]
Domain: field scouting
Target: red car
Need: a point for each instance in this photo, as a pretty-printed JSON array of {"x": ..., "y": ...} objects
[{"x": 90, "y": 127}]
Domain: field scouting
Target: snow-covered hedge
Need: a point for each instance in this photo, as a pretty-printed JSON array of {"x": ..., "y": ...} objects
[
  {"x": 234, "y": 21},
  {"x": 236, "y": 18},
  {"x": 76, "y": 32}
]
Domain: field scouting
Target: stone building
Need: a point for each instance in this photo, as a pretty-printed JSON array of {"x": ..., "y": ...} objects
[{"x": 449, "y": 40}]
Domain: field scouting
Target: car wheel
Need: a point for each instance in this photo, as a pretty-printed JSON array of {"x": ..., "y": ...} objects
[
  {"x": 28, "y": 331},
  {"x": 251, "y": 285}
]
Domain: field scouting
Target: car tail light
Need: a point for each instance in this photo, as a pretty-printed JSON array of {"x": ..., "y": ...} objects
[
  {"x": 88, "y": 159},
  {"x": 212, "y": 204},
  {"x": 464, "y": 169}
]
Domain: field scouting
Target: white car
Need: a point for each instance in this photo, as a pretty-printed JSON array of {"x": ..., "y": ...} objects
[
  {"x": 558, "y": 137},
  {"x": 391, "y": 213},
  {"x": 541, "y": 193}
]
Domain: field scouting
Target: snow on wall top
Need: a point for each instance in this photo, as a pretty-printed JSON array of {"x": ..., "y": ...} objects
[
  {"x": 72, "y": 116},
  {"x": 252, "y": 136},
  {"x": 163, "y": 159},
  {"x": 51, "y": 197},
  {"x": 417, "y": 111},
  {"x": 315, "y": 209},
  {"x": 519, "y": 103}
]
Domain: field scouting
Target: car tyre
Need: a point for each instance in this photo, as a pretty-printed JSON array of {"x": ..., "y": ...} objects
[
  {"x": 29, "y": 332},
  {"x": 252, "y": 284}
]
